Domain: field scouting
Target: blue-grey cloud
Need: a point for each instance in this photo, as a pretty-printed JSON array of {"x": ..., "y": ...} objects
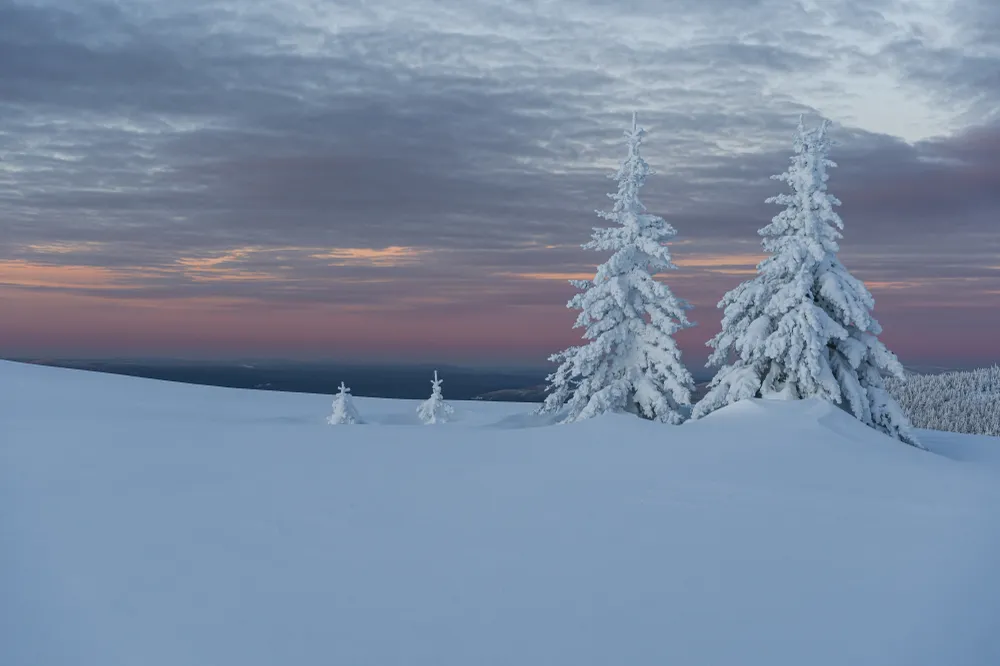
[{"x": 143, "y": 134}]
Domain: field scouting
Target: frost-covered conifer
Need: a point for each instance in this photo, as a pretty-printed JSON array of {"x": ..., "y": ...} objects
[
  {"x": 344, "y": 411},
  {"x": 631, "y": 362},
  {"x": 803, "y": 326},
  {"x": 435, "y": 410}
]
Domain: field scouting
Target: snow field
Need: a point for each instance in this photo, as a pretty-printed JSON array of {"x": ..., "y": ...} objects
[{"x": 145, "y": 522}]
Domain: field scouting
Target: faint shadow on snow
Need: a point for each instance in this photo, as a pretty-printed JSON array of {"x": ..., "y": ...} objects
[
  {"x": 395, "y": 419},
  {"x": 460, "y": 418},
  {"x": 526, "y": 420},
  {"x": 981, "y": 450}
]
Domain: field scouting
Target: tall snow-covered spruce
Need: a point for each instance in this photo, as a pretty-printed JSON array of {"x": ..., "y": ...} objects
[
  {"x": 435, "y": 410},
  {"x": 803, "y": 326},
  {"x": 631, "y": 362},
  {"x": 344, "y": 411}
]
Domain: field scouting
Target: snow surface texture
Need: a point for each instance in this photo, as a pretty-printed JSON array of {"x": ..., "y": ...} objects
[
  {"x": 804, "y": 326},
  {"x": 145, "y": 522},
  {"x": 631, "y": 363},
  {"x": 435, "y": 410},
  {"x": 344, "y": 411}
]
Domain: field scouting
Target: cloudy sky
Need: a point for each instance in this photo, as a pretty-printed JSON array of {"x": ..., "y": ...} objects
[{"x": 413, "y": 179}]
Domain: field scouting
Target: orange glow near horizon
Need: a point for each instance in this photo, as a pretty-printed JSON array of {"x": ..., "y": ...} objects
[
  {"x": 723, "y": 264},
  {"x": 82, "y": 308},
  {"x": 394, "y": 255},
  {"x": 209, "y": 269},
  {"x": 20, "y": 273}
]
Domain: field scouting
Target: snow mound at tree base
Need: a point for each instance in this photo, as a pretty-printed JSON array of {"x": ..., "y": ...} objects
[
  {"x": 160, "y": 524},
  {"x": 829, "y": 422}
]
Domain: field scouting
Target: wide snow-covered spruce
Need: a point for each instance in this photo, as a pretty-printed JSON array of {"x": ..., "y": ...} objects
[
  {"x": 435, "y": 410},
  {"x": 803, "y": 326},
  {"x": 344, "y": 411},
  {"x": 631, "y": 362}
]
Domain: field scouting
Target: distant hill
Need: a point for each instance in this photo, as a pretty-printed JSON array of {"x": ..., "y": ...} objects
[{"x": 373, "y": 380}]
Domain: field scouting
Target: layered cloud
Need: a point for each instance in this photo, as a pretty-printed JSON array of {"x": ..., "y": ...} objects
[{"x": 444, "y": 159}]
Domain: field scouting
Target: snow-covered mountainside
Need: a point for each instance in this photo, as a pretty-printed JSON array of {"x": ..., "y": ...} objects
[{"x": 144, "y": 522}]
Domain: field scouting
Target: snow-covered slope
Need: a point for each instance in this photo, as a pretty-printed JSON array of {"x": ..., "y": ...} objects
[{"x": 144, "y": 522}]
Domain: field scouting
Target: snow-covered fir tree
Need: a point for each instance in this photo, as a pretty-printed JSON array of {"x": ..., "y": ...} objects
[
  {"x": 803, "y": 326},
  {"x": 435, "y": 410},
  {"x": 344, "y": 411},
  {"x": 630, "y": 362}
]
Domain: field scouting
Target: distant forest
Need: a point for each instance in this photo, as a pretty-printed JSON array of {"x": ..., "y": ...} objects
[{"x": 965, "y": 401}]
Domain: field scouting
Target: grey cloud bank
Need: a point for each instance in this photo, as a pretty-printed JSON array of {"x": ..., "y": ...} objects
[{"x": 479, "y": 134}]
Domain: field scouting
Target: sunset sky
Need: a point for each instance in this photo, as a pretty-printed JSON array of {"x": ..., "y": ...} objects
[{"x": 413, "y": 179}]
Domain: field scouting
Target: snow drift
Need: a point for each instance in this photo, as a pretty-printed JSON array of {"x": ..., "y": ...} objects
[{"x": 144, "y": 522}]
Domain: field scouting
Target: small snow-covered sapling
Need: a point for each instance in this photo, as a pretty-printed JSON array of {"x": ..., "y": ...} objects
[
  {"x": 344, "y": 411},
  {"x": 435, "y": 410}
]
